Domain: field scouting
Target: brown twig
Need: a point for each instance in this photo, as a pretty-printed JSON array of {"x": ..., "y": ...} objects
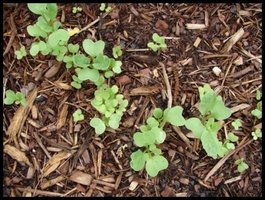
[
  {"x": 169, "y": 94},
  {"x": 14, "y": 32}
]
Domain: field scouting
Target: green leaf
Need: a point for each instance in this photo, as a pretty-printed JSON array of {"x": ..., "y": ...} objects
[
  {"x": 114, "y": 121},
  {"x": 101, "y": 62},
  {"x": 34, "y": 50},
  {"x": 36, "y": 31},
  {"x": 102, "y": 7},
  {"x": 158, "y": 113},
  {"x": 211, "y": 144},
  {"x": 152, "y": 122},
  {"x": 76, "y": 85},
  {"x": 174, "y": 116},
  {"x": 154, "y": 149},
  {"x": 88, "y": 74},
  {"x": 81, "y": 60},
  {"x": 256, "y": 134},
  {"x": 236, "y": 124},
  {"x": 73, "y": 48},
  {"x": 207, "y": 102},
  {"x": 258, "y": 95},
  {"x": 144, "y": 139},
  {"x": 93, "y": 48},
  {"x": 56, "y": 25},
  {"x": 78, "y": 116},
  {"x": 256, "y": 113},
  {"x": 108, "y": 74},
  {"x": 219, "y": 110},
  {"x": 10, "y": 97},
  {"x": 116, "y": 51},
  {"x": 230, "y": 145},
  {"x": 159, "y": 134},
  {"x": 98, "y": 125},
  {"x": 60, "y": 35},
  {"x": 232, "y": 137},
  {"x": 116, "y": 68},
  {"x": 153, "y": 46},
  {"x": 242, "y": 167},
  {"x": 43, "y": 25},
  {"x": 138, "y": 160},
  {"x": 100, "y": 81},
  {"x": 212, "y": 126},
  {"x": 156, "y": 164},
  {"x": 37, "y": 8},
  {"x": 195, "y": 125},
  {"x": 114, "y": 89},
  {"x": 158, "y": 39}
]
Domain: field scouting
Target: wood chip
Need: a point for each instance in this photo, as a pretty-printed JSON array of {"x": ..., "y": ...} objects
[
  {"x": 62, "y": 85},
  {"x": 51, "y": 182},
  {"x": 53, "y": 70},
  {"x": 147, "y": 90},
  {"x": 184, "y": 181},
  {"x": 133, "y": 185},
  {"x": 54, "y": 162},
  {"x": 161, "y": 24},
  {"x": 181, "y": 194},
  {"x": 62, "y": 117},
  {"x": 30, "y": 173},
  {"x": 197, "y": 42},
  {"x": 231, "y": 42},
  {"x": 168, "y": 192},
  {"x": 123, "y": 80},
  {"x": 231, "y": 180},
  {"x": 81, "y": 177},
  {"x": 17, "y": 155},
  {"x": 34, "y": 112},
  {"x": 195, "y": 26},
  {"x": 239, "y": 107},
  {"x": 238, "y": 61}
]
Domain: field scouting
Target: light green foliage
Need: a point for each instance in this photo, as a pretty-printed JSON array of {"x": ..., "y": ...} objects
[
  {"x": 98, "y": 125},
  {"x": 241, "y": 165},
  {"x": 104, "y": 8},
  {"x": 76, "y": 9},
  {"x": 236, "y": 124},
  {"x": 116, "y": 51},
  {"x": 110, "y": 105},
  {"x": 152, "y": 134},
  {"x": 93, "y": 48},
  {"x": 21, "y": 53},
  {"x": 78, "y": 116},
  {"x": 256, "y": 134},
  {"x": 212, "y": 108},
  {"x": 17, "y": 98},
  {"x": 159, "y": 43},
  {"x": 257, "y": 112}
]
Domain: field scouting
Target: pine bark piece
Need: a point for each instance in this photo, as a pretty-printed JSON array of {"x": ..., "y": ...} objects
[
  {"x": 231, "y": 42},
  {"x": 81, "y": 177},
  {"x": 62, "y": 117},
  {"x": 17, "y": 155}
]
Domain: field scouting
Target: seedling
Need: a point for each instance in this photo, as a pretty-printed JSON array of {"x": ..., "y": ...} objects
[
  {"x": 152, "y": 134},
  {"x": 159, "y": 43},
  {"x": 256, "y": 134},
  {"x": 104, "y": 8},
  {"x": 241, "y": 165},
  {"x": 110, "y": 105},
  {"x": 236, "y": 124},
  {"x": 116, "y": 51},
  {"x": 257, "y": 112},
  {"x": 17, "y": 98},
  {"x": 21, "y": 53},
  {"x": 78, "y": 116},
  {"x": 206, "y": 127},
  {"x": 76, "y": 9}
]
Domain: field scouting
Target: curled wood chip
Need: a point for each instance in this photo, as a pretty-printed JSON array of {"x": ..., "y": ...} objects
[
  {"x": 81, "y": 177},
  {"x": 54, "y": 162},
  {"x": 16, "y": 154},
  {"x": 20, "y": 116},
  {"x": 230, "y": 43}
]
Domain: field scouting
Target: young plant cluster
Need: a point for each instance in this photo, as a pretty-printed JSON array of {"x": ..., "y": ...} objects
[
  {"x": 151, "y": 135},
  {"x": 110, "y": 105},
  {"x": 257, "y": 113},
  {"x": 17, "y": 98},
  {"x": 159, "y": 43},
  {"x": 76, "y": 9}
]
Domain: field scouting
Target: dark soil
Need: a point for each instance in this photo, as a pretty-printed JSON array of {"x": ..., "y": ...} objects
[{"x": 47, "y": 129}]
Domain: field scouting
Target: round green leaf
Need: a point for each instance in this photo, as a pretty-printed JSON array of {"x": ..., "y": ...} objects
[
  {"x": 93, "y": 48},
  {"x": 34, "y": 50},
  {"x": 101, "y": 62},
  {"x": 81, "y": 60},
  {"x": 75, "y": 85},
  {"x": 117, "y": 67},
  {"x": 37, "y": 8},
  {"x": 98, "y": 125},
  {"x": 10, "y": 97},
  {"x": 114, "y": 121},
  {"x": 152, "y": 122},
  {"x": 157, "y": 113},
  {"x": 211, "y": 144},
  {"x": 219, "y": 110},
  {"x": 159, "y": 134},
  {"x": 174, "y": 116},
  {"x": 88, "y": 74},
  {"x": 156, "y": 164},
  {"x": 60, "y": 35},
  {"x": 138, "y": 159}
]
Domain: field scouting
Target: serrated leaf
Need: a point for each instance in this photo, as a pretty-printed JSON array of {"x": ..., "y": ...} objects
[
  {"x": 174, "y": 116},
  {"x": 98, "y": 125},
  {"x": 138, "y": 160},
  {"x": 211, "y": 144},
  {"x": 156, "y": 164},
  {"x": 88, "y": 74},
  {"x": 195, "y": 125},
  {"x": 219, "y": 110},
  {"x": 93, "y": 48},
  {"x": 114, "y": 121}
]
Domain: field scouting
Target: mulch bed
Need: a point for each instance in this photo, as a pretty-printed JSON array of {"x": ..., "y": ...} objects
[{"x": 56, "y": 151}]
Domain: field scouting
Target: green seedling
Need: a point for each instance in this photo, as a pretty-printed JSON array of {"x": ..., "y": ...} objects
[
  {"x": 206, "y": 127},
  {"x": 116, "y": 51},
  {"x": 236, "y": 124},
  {"x": 256, "y": 134},
  {"x": 111, "y": 107},
  {"x": 21, "y": 53},
  {"x": 104, "y": 8},
  {"x": 78, "y": 116},
  {"x": 152, "y": 134},
  {"x": 76, "y": 10},
  {"x": 241, "y": 165},
  {"x": 17, "y": 98},
  {"x": 257, "y": 112},
  {"x": 159, "y": 43}
]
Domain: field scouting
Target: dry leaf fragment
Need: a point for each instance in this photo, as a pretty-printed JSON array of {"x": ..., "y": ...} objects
[
  {"x": 81, "y": 177},
  {"x": 17, "y": 154}
]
